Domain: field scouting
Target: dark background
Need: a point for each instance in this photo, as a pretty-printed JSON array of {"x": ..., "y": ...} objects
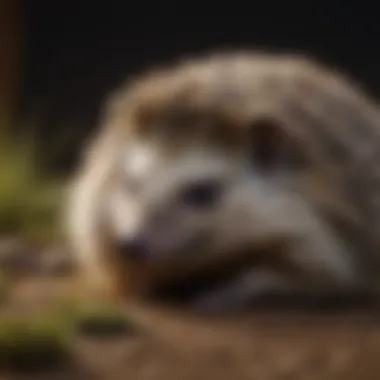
[{"x": 76, "y": 51}]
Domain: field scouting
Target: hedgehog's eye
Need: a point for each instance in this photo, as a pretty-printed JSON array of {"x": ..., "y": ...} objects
[
  {"x": 202, "y": 193},
  {"x": 271, "y": 148},
  {"x": 265, "y": 143}
]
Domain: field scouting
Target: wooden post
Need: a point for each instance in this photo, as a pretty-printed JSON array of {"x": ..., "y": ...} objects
[{"x": 10, "y": 55}]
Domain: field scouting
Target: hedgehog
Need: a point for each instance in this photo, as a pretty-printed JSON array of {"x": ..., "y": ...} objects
[{"x": 260, "y": 165}]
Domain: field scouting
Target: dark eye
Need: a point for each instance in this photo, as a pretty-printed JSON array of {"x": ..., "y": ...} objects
[
  {"x": 266, "y": 143},
  {"x": 271, "y": 148},
  {"x": 202, "y": 194}
]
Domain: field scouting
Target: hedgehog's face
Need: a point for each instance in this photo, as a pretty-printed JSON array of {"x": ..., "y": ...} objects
[
  {"x": 169, "y": 204},
  {"x": 161, "y": 206}
]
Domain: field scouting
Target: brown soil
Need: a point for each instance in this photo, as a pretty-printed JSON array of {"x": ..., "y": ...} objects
[{"x": 179, "y": 346}]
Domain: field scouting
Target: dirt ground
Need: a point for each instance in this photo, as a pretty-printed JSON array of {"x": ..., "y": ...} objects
[{"x": 264, "y": 346}]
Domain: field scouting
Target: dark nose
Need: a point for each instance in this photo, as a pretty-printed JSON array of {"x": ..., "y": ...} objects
[{"x": 134, "y": 249}]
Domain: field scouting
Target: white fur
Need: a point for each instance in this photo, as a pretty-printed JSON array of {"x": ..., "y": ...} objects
[
  {"x": 139, "y": 161},
  {"x": 83, "y": 214}
]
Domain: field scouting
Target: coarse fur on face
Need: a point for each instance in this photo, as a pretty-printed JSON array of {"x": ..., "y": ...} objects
[{"x": 229, "y": 154}]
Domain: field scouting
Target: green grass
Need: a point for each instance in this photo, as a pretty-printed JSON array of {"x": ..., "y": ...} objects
[
  {"x": 29, "y": 201},
  {"x": 103, "y": 322},
  {"x": 46, "y": 340},
  {"x": 95, "y": 319},
  {"x": 33, "y": 344}
]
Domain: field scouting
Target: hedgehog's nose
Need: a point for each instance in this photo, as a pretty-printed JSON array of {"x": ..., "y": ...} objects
[{"x": 134, "y": 248}]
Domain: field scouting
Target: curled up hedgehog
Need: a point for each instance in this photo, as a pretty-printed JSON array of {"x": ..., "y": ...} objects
[{"x": 261, "y": 166}]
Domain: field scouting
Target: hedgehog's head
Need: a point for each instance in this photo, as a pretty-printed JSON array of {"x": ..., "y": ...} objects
[
  {"x": 196, "y": 175},
  {"x": 177, "y": 200}
]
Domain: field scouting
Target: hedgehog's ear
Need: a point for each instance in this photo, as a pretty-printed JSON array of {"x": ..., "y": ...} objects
[{"x": 271, "y": 147}]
